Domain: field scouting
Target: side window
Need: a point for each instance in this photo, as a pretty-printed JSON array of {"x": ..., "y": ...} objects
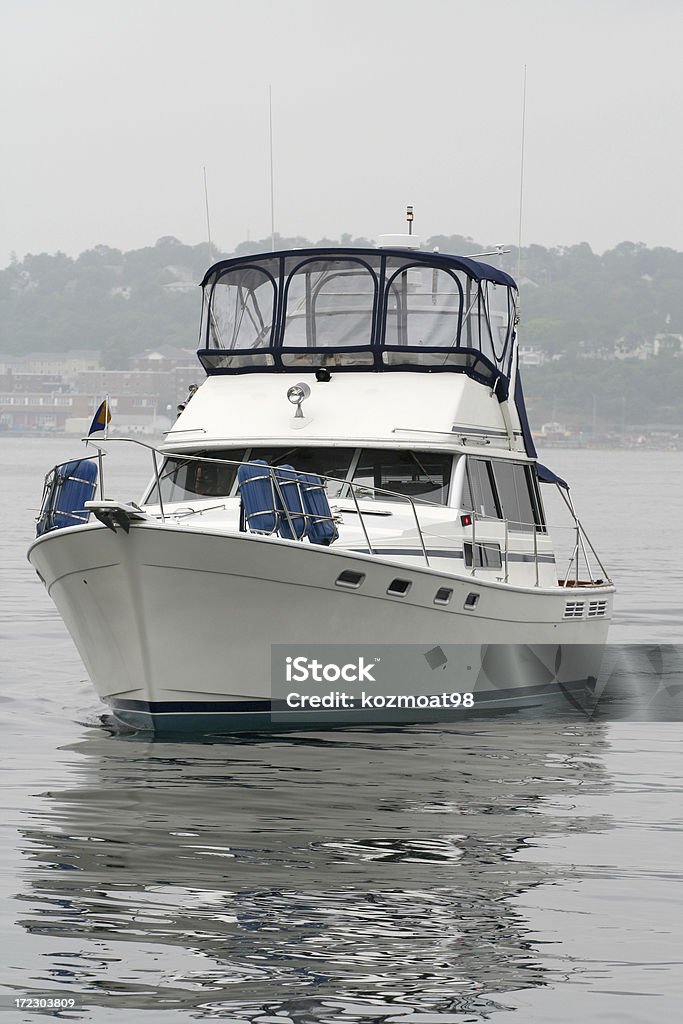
[
  {"x": 481, "y": 488},
  {"x": 532, "y": 483},
  {"x": 466, "y": 501},
  {"x": 515, "y": 495},
  {"x": 482, "y": 556}
]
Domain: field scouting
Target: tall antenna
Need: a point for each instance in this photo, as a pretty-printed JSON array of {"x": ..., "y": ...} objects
[
  {"x": 272, "y": 186},
  {"x": 521, "y": 181},
  {"x": 208, "y": 219}
]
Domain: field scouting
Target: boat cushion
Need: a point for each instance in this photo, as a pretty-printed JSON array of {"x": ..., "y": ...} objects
[
  {"x": 281, "y": 500},
  {"x": 67, "y": 489},
  {"x": 321, "y": 528},
  {"x": 259, "y": 501},
  {"x": 293, "y": 522}
]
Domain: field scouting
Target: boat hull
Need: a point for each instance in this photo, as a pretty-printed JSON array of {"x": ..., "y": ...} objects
[{"x": 177, "y": 627}]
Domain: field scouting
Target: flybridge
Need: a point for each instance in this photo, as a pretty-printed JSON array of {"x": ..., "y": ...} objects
[{"x": 360, "y": 309}]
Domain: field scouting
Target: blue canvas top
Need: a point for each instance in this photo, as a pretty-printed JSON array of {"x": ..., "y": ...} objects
[
  {"x": 360, "y": 309},
  {"x": 473, "y": 268}
]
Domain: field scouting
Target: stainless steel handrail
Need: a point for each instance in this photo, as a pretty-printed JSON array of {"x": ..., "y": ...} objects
[
  {"x": 394, "y": 495},
  {"x": 579, "y": 548},
  {"x": 582, "y": 538}
]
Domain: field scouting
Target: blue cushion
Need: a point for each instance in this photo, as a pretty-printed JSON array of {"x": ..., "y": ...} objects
[
  {"x": 321, "y": 528},
  {"x": 67, "y": 489},
  {"x": 293, "y": 523},
  {"x": 259, "y": 501}
]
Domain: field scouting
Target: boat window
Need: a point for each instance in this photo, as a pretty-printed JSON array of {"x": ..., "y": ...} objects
[
  {"x": 515, "y": 495},
  {"x": 420, "y": 475},
  {"x": 481, "y": 488},
  {"x": 183, "y": 479},
  {"x": 498, "y": 316},
  {"x": 229, "y": 361},
  {"x": 423, "y": 307},
  {"x": 329, "y": 305},
  {"x": 482, "y": 556},
  {"x": 333, "y": 462},
  {"x": 241, "y": 309},
  {"x": 466, "y": 500},
  {"x": 534, "y": 489}
]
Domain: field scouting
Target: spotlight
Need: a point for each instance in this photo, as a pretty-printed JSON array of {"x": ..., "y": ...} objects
[{"x": 297, "y": 394}]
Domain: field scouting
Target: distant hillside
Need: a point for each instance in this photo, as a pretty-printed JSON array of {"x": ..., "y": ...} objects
[
  {"x": 111, "y": 300},
  {"x": 574, "y": 303}
]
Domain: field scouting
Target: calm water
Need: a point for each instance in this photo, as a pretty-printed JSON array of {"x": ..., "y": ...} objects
[{"x": 521, "y": 871}]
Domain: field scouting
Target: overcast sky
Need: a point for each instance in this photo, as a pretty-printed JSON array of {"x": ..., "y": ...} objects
[{"x": 110, "y": 110}]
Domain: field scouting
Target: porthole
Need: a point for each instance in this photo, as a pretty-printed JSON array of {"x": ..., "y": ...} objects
[
  {"x": 443, "y": 595},
  {"x": 471, "y": 601},
  {"x": 399, "y": 588},
  {"x": 350, "y": 579}
]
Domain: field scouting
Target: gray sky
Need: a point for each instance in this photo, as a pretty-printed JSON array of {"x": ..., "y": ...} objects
[{"x": 110, "y": 111}]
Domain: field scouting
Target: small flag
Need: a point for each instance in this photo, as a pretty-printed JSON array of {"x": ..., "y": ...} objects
[{"x": 101, "y": 418}]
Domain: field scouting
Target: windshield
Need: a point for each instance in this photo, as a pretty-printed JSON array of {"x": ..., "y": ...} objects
[
  {"x": 185, "y": 479},
  {"x": 419, "y": 475}
]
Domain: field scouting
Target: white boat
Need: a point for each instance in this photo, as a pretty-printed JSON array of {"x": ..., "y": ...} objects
[{"x": 391, "y": 375}]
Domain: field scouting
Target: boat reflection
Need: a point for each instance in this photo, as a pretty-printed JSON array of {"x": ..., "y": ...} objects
[{"x": 370, "y": 872}]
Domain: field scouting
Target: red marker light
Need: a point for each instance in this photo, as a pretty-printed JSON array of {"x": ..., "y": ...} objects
[{"x": 466, "y": 520}]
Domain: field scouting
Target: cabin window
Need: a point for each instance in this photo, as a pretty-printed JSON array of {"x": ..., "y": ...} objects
[
  {"x": 481, "y": 487},
  {"x": 184, "y": 479},
  {"x": 419, "y": 475},
  {"x": 516, "y": 495},
  {"x": 332, "y": 462},
  {"x": 532, "y": 477},
  {"x": 482, "y": 556},
  {"x": 466, "y": 500},
  {"x": 329, "y": 305},
  {"x": 503, "y": 490},
  {"x": 242, "y": 309}
]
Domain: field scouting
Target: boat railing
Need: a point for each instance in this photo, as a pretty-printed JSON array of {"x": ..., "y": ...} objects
[
  {"x": 581, "y": 543},
  {"x": 345, "y": 486},
  {"x": 578, "y": 560}
]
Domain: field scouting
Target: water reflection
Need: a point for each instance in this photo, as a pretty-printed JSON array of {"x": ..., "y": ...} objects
[{"x": 334, "y": 876}]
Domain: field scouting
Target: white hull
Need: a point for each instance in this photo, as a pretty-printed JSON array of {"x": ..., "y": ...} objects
[{"x": 175, "y": 626}]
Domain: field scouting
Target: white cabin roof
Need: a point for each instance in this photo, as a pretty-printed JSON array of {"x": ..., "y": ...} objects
[{"x": 398, "y": 410}]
